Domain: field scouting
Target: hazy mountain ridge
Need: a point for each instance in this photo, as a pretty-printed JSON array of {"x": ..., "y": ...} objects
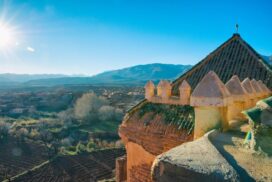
[
  {"x": 154, "y": 71},
  {"x": 20, "y": 78},
  {"x": 268, "y": 59},
  {"x": 135, "y": 75}
]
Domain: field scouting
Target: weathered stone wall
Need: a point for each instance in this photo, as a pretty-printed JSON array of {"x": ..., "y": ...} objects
[{"x": 145, "y": 138}]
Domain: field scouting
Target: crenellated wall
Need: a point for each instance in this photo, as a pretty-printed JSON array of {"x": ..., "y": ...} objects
[
  {"x": 217, "y": 104},
  {"x": 245, "y": 94},
  {"x": 164, "y": 94}
]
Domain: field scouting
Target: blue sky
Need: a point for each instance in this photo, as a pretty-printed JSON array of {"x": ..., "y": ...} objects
[{"x": 91, "y": 36}]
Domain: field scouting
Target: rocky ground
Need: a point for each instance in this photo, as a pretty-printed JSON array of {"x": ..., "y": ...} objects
[
  {"x": 216, "y": 156},
  {"x": 249, "y": 164}
]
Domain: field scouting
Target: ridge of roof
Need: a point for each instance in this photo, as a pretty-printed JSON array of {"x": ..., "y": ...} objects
[
  {"x": 234, "y": 42},
  {"x": 210, "y": 55},
  {"x": 255, "y": 53}
]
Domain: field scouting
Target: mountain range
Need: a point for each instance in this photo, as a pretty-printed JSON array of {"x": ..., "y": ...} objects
[
  {"x": 135, "y": 75},
  {"x": 268, "y": 59}
]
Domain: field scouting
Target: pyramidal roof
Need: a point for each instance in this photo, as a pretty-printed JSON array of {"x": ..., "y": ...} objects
[
  {"x": 149, "y": 84},
  {"x": 184, "y": 85},
  {"x": 248, "y": 86},
  {"x": 164, "y": 83},
  {"x": 255, "y": 85},
  {"x": 234, "y": 57},
  {"x": 234, "y": 86},
  {"x": 210, "y": 87}
]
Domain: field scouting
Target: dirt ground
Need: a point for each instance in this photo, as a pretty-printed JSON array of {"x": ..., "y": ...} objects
[{"x": 251, "y": 166}]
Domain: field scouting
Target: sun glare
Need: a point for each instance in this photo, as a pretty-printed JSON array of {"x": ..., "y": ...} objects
[{"x": 7, "y": 36}]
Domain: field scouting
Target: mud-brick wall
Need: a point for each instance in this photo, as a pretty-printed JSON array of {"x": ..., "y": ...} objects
[{"x": 145, "y": 138}]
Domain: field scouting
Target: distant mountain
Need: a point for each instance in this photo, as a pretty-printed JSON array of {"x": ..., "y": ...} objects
[
  {"x": 4, "y": 80},
  {"x": 268, "y": 59},
  {"x": 136, "y": 75},
  {"x": 20, "y": 78},
  {"x": 144, "y": 72}
]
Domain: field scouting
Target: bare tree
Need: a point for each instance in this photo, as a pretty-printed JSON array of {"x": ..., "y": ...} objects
[
  {"x": 106, "y": 113},
  {"x": 87, "y": 107}
]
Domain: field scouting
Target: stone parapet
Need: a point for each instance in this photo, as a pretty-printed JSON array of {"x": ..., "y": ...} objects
[
  {"x": 193, "y": 161},
  {"x": 171, "y": 100}
]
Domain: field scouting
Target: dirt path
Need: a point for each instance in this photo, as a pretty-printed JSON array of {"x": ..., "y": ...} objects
[{"x": 250, "y": 165}]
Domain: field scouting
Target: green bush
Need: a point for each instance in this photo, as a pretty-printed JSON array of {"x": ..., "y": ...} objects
[{"x": 181, "y": 116}]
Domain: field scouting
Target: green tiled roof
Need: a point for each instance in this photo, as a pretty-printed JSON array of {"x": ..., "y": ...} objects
[
  {"x": 254, "y": 114},
  {"x": 268, "y": 101},
  {"x": 181, "y": 116}
]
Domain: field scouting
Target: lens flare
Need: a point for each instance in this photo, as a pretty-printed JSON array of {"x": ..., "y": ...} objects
[{"x": 7, "y": 36}]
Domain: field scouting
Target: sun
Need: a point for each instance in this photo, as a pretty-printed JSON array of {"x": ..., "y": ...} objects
[{"x": 7, "y": 36}]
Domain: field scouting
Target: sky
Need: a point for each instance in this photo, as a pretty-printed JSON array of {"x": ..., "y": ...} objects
[{"x": 86, "y": 37}]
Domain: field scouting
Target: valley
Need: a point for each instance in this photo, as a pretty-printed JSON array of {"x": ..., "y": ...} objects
[{"x": 48, "y": 122}]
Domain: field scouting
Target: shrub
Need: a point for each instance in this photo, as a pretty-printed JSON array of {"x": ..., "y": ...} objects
[
  {"x": 87, "y": 107},
  {"x": 80, "y": 148},
  {"x": 106, "y": 113}
]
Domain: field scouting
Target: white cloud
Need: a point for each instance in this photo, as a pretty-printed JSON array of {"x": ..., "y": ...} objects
[{"x": 30, "y": 49}]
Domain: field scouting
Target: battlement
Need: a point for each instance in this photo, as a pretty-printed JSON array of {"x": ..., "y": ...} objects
[
  {"x": 216, "y": 104},
  {"x": 164, "y": 93},
  {"x": 210, "y": 91}
]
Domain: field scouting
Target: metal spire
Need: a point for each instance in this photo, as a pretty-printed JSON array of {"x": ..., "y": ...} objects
[{"x": 237, "y": 28}]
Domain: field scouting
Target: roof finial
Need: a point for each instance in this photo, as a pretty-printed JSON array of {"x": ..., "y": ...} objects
[{"x": 237, "y": 28}]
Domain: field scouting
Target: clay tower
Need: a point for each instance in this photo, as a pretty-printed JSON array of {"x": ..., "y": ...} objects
[
  {"x": 238, "y": 97},
  {"x": 185, "y": 93},
  {"x": 251, "y": 93},
  {"x": 164, "y": 89},
  {"x": 210, "y": 99},
  {"x": 149, "y": 90}
]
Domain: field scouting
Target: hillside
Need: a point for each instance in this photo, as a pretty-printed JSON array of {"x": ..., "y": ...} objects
[
  {"x": 136, "y": 75},
  {"x": 268, "y": 59},
  {"x": 20, "y": 78}
]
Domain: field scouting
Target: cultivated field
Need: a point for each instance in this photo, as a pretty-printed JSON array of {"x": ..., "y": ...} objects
[{"x": 83, "y": 167}]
